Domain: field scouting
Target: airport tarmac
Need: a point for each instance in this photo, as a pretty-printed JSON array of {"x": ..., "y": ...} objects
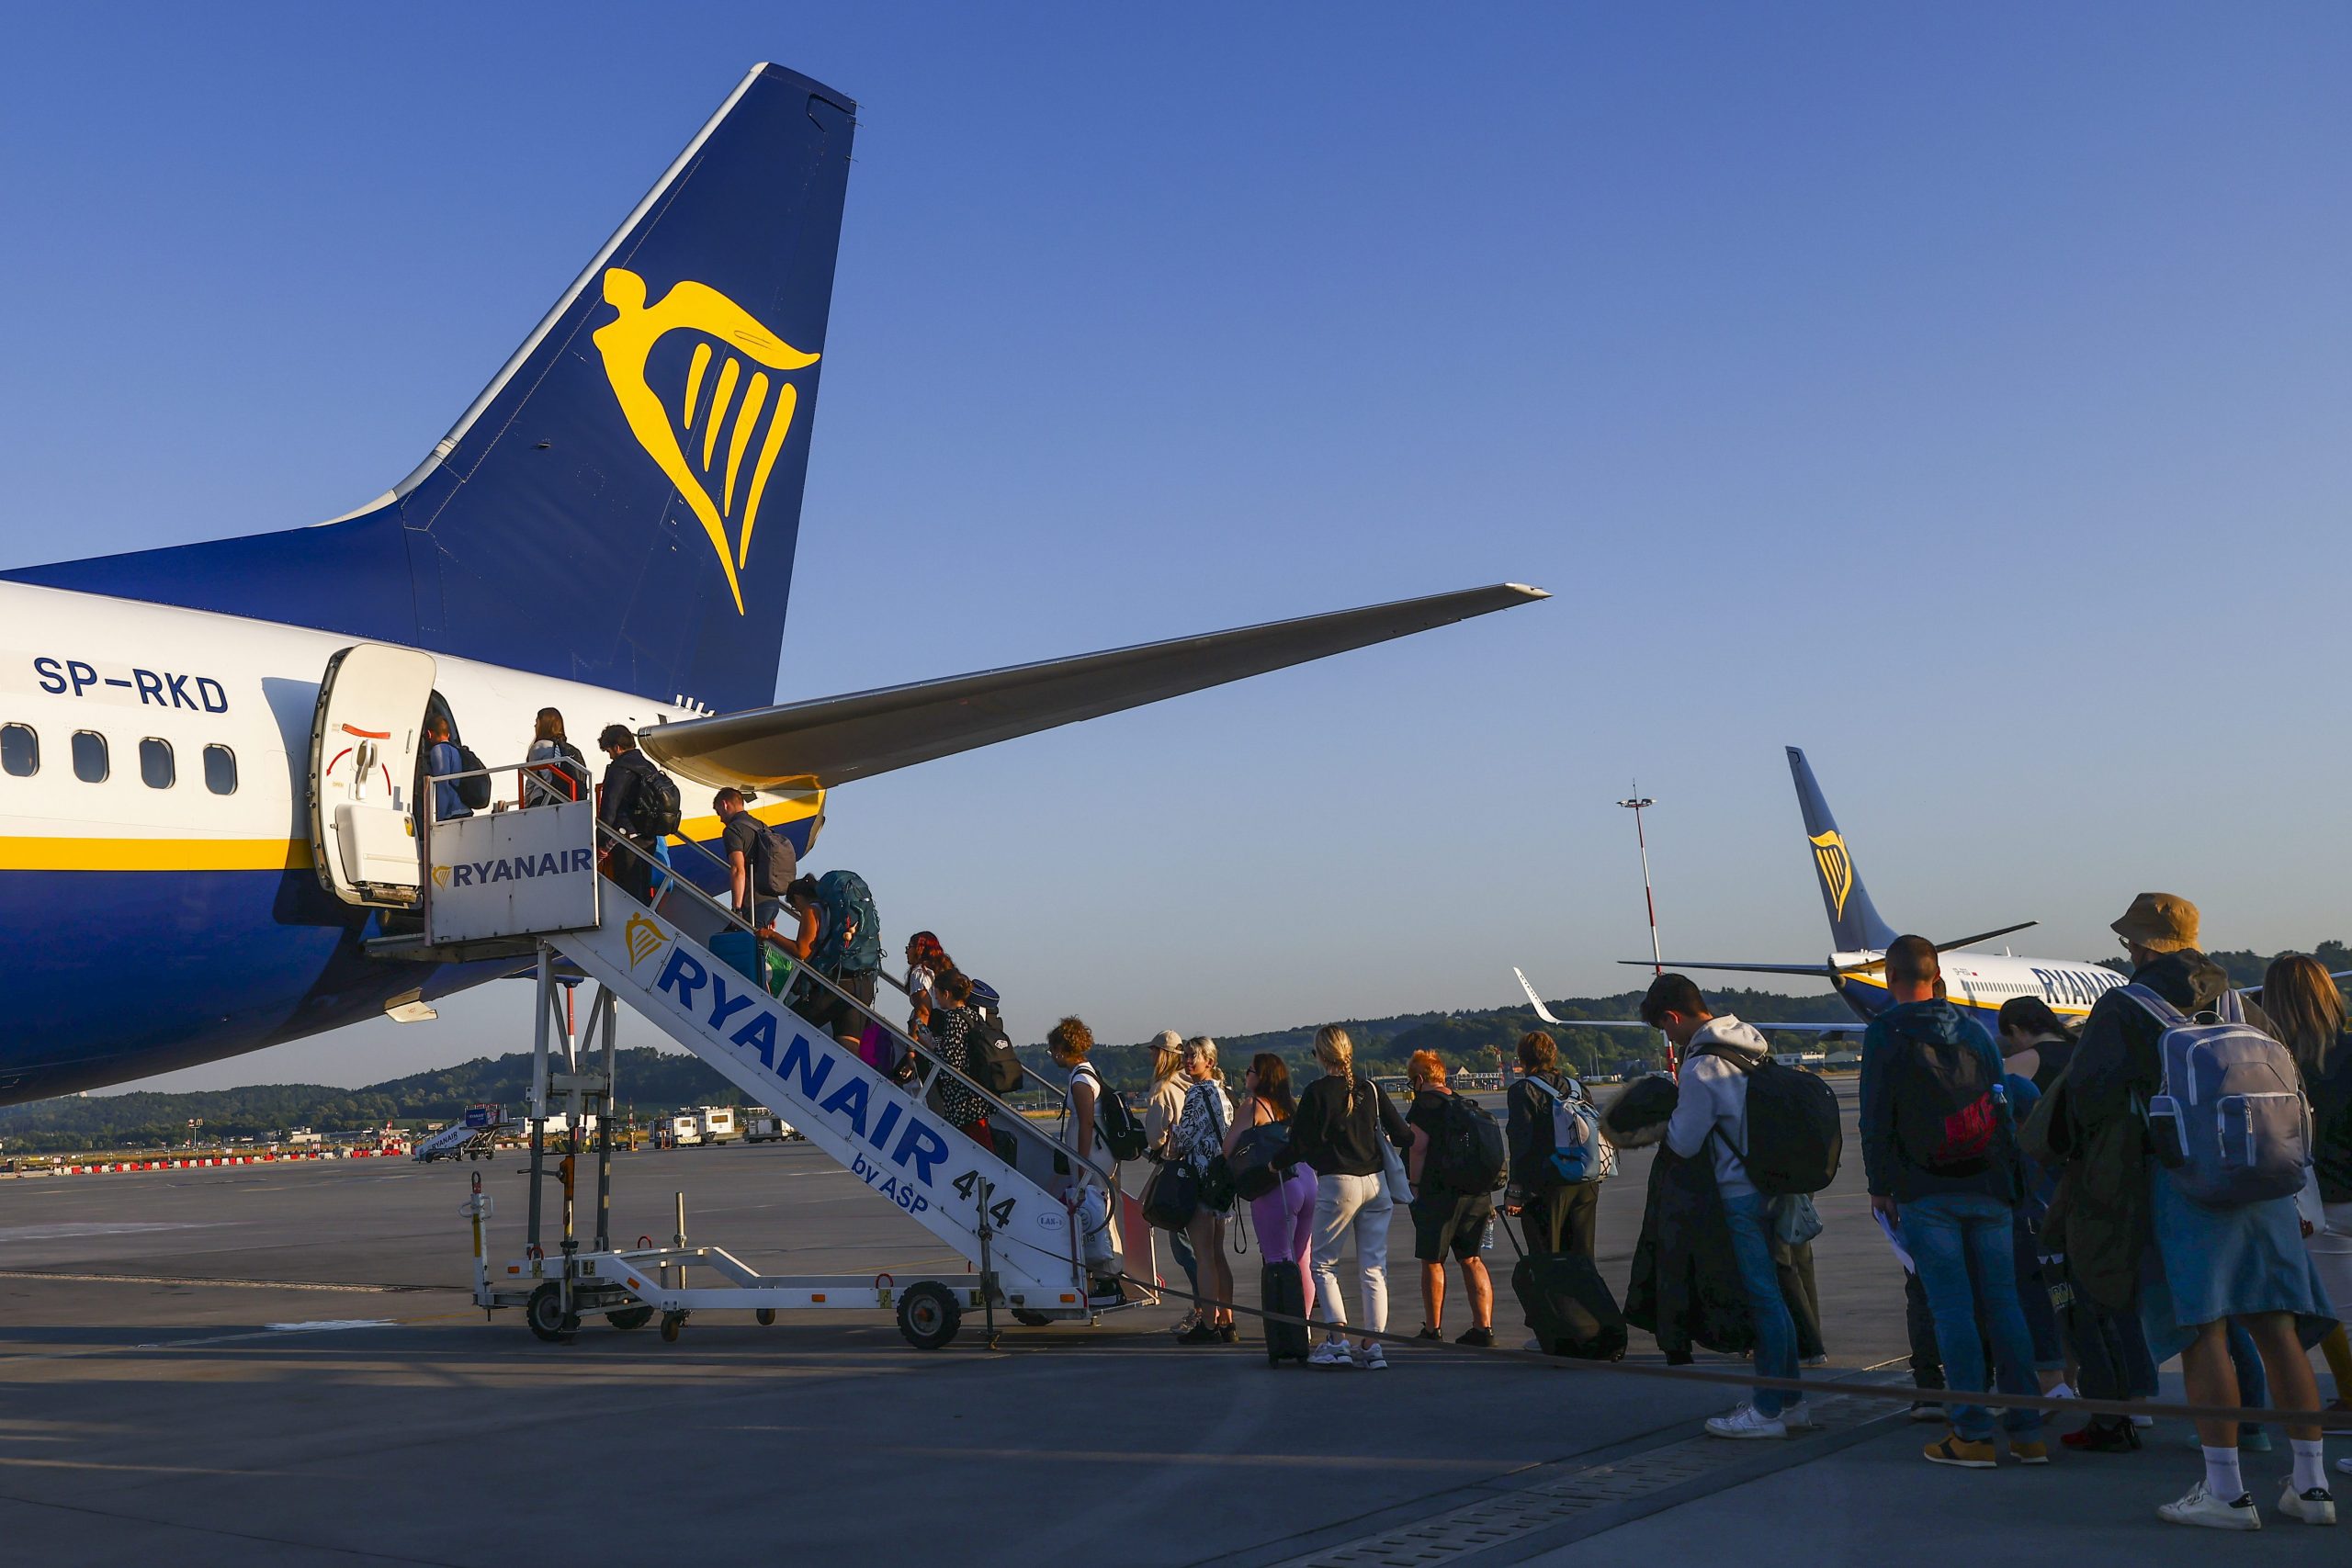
[{"x": 280, "y": 1365}]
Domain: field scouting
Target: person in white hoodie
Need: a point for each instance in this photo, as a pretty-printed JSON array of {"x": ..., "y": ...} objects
[{"x": 1710, "y": 1115}]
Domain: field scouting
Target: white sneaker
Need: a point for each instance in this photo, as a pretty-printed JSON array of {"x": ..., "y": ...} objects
[
  {"x": 2144, "y": 1422},
  {"x": 1798, "y": 1417},
  {"x": 1536, "y": 1346},
  {"x": 1815, "y": 1361},
  {"x": 1745, "y": 1423},
  {"x": 2199, "y": 1506},
  {"x": 1925, "y": 1410},
  {"x": 1329, "y": 1353},
  {"x": 1368, "y": 1357},
  {"x": 2314, "y": 1508}
]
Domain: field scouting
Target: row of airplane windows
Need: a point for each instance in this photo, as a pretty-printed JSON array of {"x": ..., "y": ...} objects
[{"x": 20, "y": 758}]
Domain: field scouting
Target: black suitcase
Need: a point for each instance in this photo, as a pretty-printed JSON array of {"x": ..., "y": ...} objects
[
  {"x": 1279, "y": 1289},
  {"x": 1568, "y": 1305}
]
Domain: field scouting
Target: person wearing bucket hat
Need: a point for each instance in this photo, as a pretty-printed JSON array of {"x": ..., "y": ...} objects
[{"x": 2210, "y": 1267}]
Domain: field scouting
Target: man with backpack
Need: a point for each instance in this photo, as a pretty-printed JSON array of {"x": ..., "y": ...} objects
[
  {"x": 444, "y": 756},
  {"x": 638, "y": 801},
  {"x": 1940, "y": 1150},
  {"x": 1710, "y": 1119},
  {"x": 1455, "y": 1165},
  {"x": 2166, "y": 1066},
  {"x": 759, "y": 860},
  {"x": 1555, "y": 1187}
]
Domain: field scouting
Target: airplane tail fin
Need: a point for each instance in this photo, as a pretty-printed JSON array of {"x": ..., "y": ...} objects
[
  {"x": 1853, "y": 920},
  {"x": 620, "y": 505}
]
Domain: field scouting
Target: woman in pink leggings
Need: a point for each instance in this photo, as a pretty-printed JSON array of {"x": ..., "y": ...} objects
[{"x": 1284, "y": 1217}]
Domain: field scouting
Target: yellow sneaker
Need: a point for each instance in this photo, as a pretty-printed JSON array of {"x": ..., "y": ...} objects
[
  {"x": 1957, "y": 1451},
  {"x": 2030, "y": 1453}
]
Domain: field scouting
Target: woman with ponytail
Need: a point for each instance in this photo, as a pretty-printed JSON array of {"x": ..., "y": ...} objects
[{"x": 1336, "y": 1132}]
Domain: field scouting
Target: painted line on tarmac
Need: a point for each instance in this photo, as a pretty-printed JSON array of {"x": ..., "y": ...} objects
[{"x": 222, "y": 1284}]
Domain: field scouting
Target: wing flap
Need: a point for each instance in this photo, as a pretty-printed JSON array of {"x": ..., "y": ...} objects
[{"x": 833, "y": 740}]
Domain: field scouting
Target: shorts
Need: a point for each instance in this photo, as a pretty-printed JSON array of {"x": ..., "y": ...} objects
[
  {"x": 1460, "y": 1225},
  {"x": 829, "y": 1013}
]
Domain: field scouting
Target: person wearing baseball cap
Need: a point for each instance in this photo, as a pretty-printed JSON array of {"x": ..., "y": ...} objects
[{"x": 2214, "y": 1266}]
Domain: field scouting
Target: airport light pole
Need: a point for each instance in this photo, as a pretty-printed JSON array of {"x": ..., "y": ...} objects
[{"x": 1638, "y": 805}]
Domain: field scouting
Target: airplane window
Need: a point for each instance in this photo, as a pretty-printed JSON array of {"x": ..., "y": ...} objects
[
  {"x": 20, "y": 749},
  {"x": 220, "y": 770},
  {"x": 90, "y": 756},
  {"x": 156, "y": 763}
]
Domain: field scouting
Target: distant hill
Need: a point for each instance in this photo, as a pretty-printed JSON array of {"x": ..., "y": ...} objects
[{"x": 653, "y": 1080}]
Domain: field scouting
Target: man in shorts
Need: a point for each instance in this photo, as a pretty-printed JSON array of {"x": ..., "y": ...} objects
[{"x": 1444, "y": 1220}]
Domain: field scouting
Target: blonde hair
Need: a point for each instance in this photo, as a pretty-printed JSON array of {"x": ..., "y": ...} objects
[
  {"x": 2304, "y": 1007},
  {"x": 1201, "y": 1046},
  {"x": 1167, "y": 1055},
  {"x": 1337, "y": 1055},
  {"x": 1426, "y": 1066}
]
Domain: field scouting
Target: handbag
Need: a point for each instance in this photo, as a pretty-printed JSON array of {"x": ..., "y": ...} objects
[
  {"x": 1171, "y": 1197},
  {"x": 1400, "y": 1185},
  {"x": 1217, "y": 1176},
  {"x": 1257, "y": 1158},
  {"x": 1795, "y": 1221}
]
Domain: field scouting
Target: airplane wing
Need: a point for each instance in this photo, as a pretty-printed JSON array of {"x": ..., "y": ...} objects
[
  {"x": 832, "y": 740},
  {"x": 1820, "y": 971},
  {"x": 1544, "y": 1013}
]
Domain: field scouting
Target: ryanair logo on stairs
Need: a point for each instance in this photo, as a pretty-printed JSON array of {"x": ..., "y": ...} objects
[
  {"x": 701, "y": 440},
  {"x": 644, "y": 939},
  {"x": 1836, "y": 868}
]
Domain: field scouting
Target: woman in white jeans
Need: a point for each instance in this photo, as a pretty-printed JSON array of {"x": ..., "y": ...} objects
[{"x": 1348, "y": 1133}]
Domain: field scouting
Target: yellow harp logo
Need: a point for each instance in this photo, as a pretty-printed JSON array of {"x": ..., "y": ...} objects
[
  {"x": 644, "y": 939},
  {"x": 684, "y": 437},
  {"x": 1836, "y": 868}
]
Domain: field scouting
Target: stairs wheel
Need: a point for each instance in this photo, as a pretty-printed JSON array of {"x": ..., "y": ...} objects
[
  {"x": 544, "y": 1312},
  {"x": 928, "y": 1315},
  {"x": 628, "y": 1318},
  {"x": 1032, "y": 1318},
  {"x": 764, "y": 1316},
  {"x": 672, "y": 1322}
]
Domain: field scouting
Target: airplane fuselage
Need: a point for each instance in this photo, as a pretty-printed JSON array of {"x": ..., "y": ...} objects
[
  {"x": 156, "y": 877},
  {"x": 1978, "y": 983}
]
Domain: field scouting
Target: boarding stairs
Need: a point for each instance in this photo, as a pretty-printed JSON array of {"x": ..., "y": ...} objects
[{"x": 1009, "y": 1211}]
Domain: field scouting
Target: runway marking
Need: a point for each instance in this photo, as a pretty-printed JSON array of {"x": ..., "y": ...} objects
[
  {"x": 223, "y": 1284},
  {"x": 1158, "y": 1456},
  {"x": 63, "y": 1229}
]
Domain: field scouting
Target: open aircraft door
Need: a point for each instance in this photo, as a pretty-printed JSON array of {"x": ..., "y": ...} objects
[{"x": 364, "y": 741}]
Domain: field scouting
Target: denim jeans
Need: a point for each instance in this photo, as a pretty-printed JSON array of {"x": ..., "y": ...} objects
[
  {"x": 1749, "y": 1216},
  {"x": 1949, "y": 1235}
]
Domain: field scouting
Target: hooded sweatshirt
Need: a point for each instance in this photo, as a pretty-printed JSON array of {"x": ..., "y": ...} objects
[
  {"x": 1714, "y": 1099},
  {"x": 1894, "y": 1171}
]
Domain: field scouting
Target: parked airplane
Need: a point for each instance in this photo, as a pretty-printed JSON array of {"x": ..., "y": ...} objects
[
  {"x": 209, "y": 753},
  {"x": 1978, "y": 982}
]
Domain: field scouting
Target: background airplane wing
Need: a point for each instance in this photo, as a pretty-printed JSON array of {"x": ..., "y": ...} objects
[
  {"x": 832, "y": 740},
  {"x": 1544, "y": 1013}
]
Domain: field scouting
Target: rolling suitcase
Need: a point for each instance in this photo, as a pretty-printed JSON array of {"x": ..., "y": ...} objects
[
  {"x": 737, "y": 950},
  {"x": 1281, "y": 1289},
  {"x": 1569, "y": 1306}
]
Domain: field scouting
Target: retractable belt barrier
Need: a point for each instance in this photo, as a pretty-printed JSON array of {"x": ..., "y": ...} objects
[{"x": 1903, "y": 1394}]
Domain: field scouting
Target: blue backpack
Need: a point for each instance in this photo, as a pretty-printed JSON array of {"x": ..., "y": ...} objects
[
  {"x": 2229, "y": 1118},
  {"x": 1579, "y": 1153},
  {"x": 851, "y": 942}
]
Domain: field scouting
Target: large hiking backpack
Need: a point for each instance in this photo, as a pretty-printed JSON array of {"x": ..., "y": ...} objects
[
  {"x": 1794, "y": 1138},
  {"x": 1468, "y": 1156},
  {"x": 2229, "y": 1118},
  {"x": 1945, "y": 1118},
  {"x": 654, "y": 809},
  {"x": 852, "y": 941},
  {"x": 1580, "y": 1153}
]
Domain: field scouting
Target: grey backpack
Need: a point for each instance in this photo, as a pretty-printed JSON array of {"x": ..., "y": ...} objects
[{"x": 2229, "y": 1118}]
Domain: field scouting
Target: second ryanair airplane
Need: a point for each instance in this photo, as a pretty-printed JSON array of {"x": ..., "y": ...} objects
[
  {"x": 209, "y": 753},
  {"x": 1978, "y": 982}
]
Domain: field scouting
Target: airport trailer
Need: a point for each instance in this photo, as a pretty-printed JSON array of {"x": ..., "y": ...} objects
[{"x": 1010, "y": 1209}]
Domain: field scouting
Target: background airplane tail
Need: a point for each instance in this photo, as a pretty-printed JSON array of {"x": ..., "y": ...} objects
[
  {"x": 621, "y": 504},
  {"x": 1853, "y": 920}
]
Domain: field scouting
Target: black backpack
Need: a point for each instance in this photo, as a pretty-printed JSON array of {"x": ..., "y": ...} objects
[
  {"x": 654, "y": 809},
  {"x": 1468, "y": 1155},
  {"x": 995, "y": 1065},
  {"x": 1794, "y": 1140},
  {"x": 474, "y": 790},
  {"x": 1122, "y": 1134},
  {"x": 1945, "y": 1120}
]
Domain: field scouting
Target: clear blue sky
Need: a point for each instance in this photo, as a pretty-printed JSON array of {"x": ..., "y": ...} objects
[{"x": 1960, "y": 391}]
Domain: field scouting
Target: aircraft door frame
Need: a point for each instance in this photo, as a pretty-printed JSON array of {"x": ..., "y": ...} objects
[{"x": 366, "y": 737}]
